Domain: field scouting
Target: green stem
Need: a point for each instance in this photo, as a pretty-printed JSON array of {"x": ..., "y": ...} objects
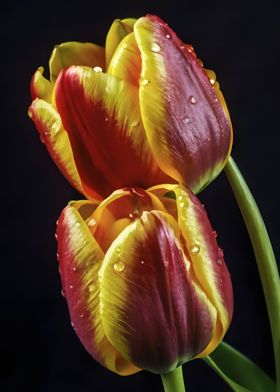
[
  {"x": 173, "y": 381},
  {"x": 265, "y": 258}
]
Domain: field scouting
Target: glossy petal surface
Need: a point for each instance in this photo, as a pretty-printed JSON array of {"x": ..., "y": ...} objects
[
  {"x": 209, "y": 267},
  {"x": 188, "y": 129},
  {"x": 126, "y": 61},
  {"x": 80, "y": 258},
  {"x": 118, "y": 30},
  {"x": 152, "y": 311},
  {"x": 52, "y": 133},
  {"x": 75, "y": 53},
  {"x": 101, "y": 115}
]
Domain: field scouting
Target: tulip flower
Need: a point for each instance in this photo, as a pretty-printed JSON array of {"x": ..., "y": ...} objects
[
  {"x": 139, "y": 112},
  {"x": 144, "y": 278}
]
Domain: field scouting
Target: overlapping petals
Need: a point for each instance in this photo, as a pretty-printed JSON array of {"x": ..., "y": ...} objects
[
  {"x": 144, "y": 278},
  {"x": 139, "y": 112}
]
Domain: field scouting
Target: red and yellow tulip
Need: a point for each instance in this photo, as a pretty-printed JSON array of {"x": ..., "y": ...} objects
[
  {"x": 139, "y": 112},
  {"x": 144, "y": 278}
]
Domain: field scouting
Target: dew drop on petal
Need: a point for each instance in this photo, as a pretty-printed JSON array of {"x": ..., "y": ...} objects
[
  {"x": 81, "y": 315},
  {"x": 55, "y": 236},
  {"x": 155, "y": 47},
  {"x": 182, "y": 205},
  {"x": 215, "y": 233},
  {"x": 195, "y": 249},
  {"x": 62, "y": 293},
  {"x": 167, "y": 36},
  {"x": 192, "y": 99},
  {"x": 30, "y": 113},
  {"x": 106, "y": 119},
  {"x": 119, "y": 266},
  {"x": 72, "y": 324},
  {"x": 212, "y": 81},
  {"x": 92, "y": 222},
  {"x": 118, "y": 250},
  {"x": 142, "y": 262},
  {"x": 145, "y": 82},
  {"x": 71, "y": 286},
  {"x": 219, "y": 261},
  {"x": 97, "y": 69},
  {"x": 74, "y": 269},
  {"x": 180, "y": 197}
]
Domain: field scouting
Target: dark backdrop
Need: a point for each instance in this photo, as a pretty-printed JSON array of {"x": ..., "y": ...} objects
[{"x": 240, "y": 41}]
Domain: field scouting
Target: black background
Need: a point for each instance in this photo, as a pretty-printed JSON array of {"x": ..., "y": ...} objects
[{"x": 240, "y": 41}]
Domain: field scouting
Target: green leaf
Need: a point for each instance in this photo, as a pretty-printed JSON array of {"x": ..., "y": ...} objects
[{"x": 238, "y": 371}]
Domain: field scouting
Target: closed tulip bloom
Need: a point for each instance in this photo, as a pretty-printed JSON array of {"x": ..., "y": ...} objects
[
  {"x": 144, "y": 279},
  {"x": 139, "y": 112}
]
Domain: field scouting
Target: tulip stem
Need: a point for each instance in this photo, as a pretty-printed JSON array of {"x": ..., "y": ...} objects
[
  {"x": 173, "y": 381},
  {"x": 265, "y": 258}
]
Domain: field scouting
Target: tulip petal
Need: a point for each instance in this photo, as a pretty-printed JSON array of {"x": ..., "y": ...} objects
[
  {"x": 151, "y": 309},
  {"x": 126, "y": 61},
  {"x": 52, "y": 133},
  {"x": 80, "y": 258},
  {"x": 101, "y": 116},
  {"x": 187, "y": 126},
  {"x": 207, "y": 259},
  {"x": 118, "y": 30},
  {"x": 40, "y": 87},
  {"x": 75, "y": 53}
]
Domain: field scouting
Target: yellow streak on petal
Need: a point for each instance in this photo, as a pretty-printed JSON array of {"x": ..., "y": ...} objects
[
  {"x": 118, "y": 30},
  {"x": 88, "y": 257},
  {"x": 56, "y": 139},
  {"x": 41, "y": 86},
  {"x": 152, "y": 82},
  {"x": 201, "y": 259},
  {"x": 126, "y": 61}
]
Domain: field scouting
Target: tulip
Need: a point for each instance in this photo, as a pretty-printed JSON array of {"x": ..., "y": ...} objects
[
  {"x": 139, "y": 112},
  {"x": 144, "y": 279}
]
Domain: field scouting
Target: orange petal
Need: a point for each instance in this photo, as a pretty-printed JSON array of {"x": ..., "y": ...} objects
[
  {"x": 102, "y": 118},
  {"x": 80, "y": 259}
]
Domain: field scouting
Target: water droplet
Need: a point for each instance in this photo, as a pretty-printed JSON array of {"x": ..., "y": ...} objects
[
  {"x": 55, "y": 236},
  {"x": 62, "y": 293},
  {"x": 78, "y": 224},
  {"x": 195, "y": 249},
  {"x": 118, "y": 250},
  {"x": 92, "y": 222},
  {"x": 71, "y": 286},
  {"x": 57, "y": 256},
  {"x": 119, "y": 266},
  {"x": 81, "y": 315},
  {"x": 215, "y": 233},
  {"x": 145, "y": 82},
  {"x": 212, "y": 81},
  {"x": 200, "y": 62},
  {"x": 97, "y": 69},
  {"x": 134, "y": 124},
  {"x": 155, "y": 47},
  {"x": 180, "y": 197},
  {"x": 106, "y": 119},
  {"x": 187, "y": 120},
  {"x": 219, "y": 261},
  {"x": 189, "y": 48},
  {"x": 131, "y": 216},
  {"x": 30, "y": 113},
  {"x": 167, "y": 36},
  {"x": 72, "y": 324},
  {"x": 46, "y": 133},
  {"x": 57, "y": 222},
  {"x": 192, "y": 100},
  {"x": 182, "y": 205},
  {"x": 91, "y": 288},
  {"x": 74, "y": 268},
  {"x": 142, "y": 262}
]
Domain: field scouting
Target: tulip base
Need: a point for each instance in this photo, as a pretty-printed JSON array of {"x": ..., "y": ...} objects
[{"x": 173, "y": 381}]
